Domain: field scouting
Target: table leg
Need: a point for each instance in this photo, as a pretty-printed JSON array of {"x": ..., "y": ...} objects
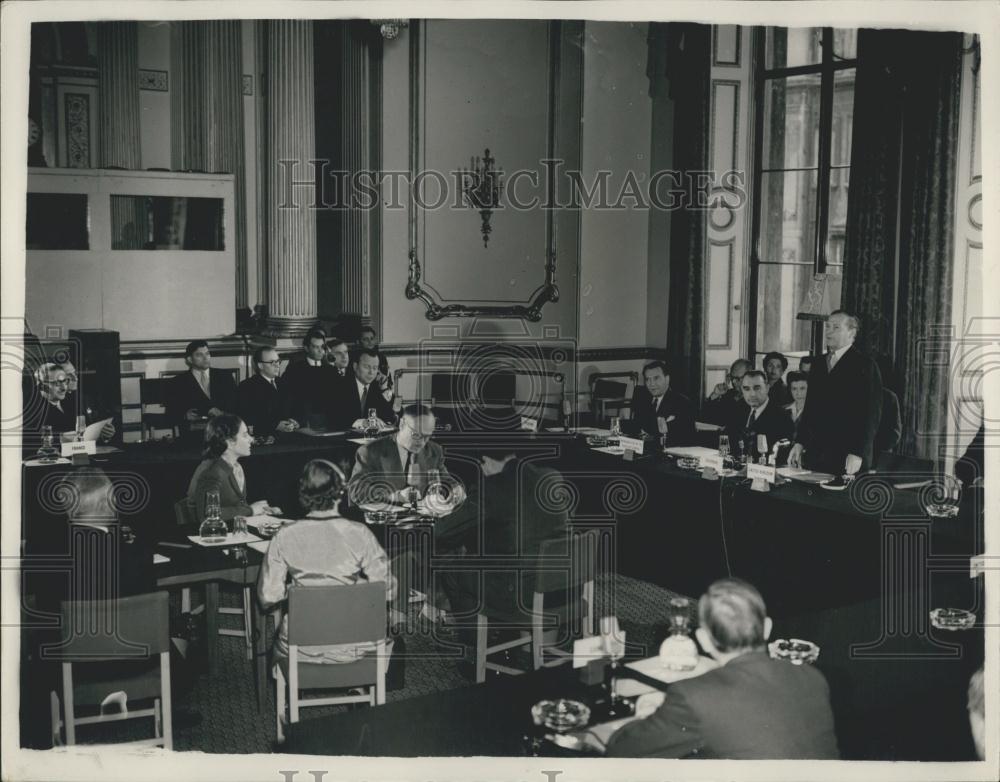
[
  {"x": 260, "y": 653},
  {"x": 212, "y": 625}
]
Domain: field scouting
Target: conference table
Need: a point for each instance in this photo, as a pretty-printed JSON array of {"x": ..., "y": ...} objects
[{"x": 856, "y": 570}]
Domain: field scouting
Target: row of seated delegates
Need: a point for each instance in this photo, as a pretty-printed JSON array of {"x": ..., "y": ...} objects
[
  {"x": 750, "y": 707},
  {"x": 201, "y": 392},
  {"x": 655, "y": 400},
  {"x": 61, "y": 404},
  {"x": 227, "y": 440},
  {"x": 322, "y": 549}
]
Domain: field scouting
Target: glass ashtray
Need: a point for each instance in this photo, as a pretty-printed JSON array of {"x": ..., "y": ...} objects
[
  {"x": 952, "y": 619},
  {"x": 795, "y": 650},
  {"x": 560, "y": 715},
  {"x": 942, "y": 510}
]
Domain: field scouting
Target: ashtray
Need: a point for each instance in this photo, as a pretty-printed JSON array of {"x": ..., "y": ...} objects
[
  {"x": 942, "y": 510},
  {"x": 952, "y": 619},
  {"x": 839, "y": 483},
  {"x": 689, "y": 463},
  {"x": 795, "y": 650},
  {"x": 560, "y": 715},
  {"x": 379, "y": 516},
  {"x": 596, "y": 441},
  {"x": 269, "y": 528}
]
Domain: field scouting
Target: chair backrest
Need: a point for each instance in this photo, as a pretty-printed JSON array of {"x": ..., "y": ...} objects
[
  {"x": 184, "y": 513},
  {"x": 333, "y": 614},
  {"x": 122, "y": 629},
  {"x": 567, "y": 561}
]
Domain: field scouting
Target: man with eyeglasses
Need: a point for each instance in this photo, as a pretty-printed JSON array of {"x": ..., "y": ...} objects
[
  {"x": 393, "y": 469},
  {"x": 261, "y": 398},
  {"x": 59, "y": 411},
  {"x": 78, "y": 399}
]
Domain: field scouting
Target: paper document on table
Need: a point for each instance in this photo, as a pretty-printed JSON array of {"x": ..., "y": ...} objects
[
  {"x": 93, "y": 431},
  {"x": 262, "y": 520},
  {"x": 232, "y": 539},
  {"x": 704, "y": 426},
  {"x": 691, "y": 451},
  {"x": 806, "y": 476},
  {"x": 591, "y": 431},
  {"x": 655, "y": 669}
]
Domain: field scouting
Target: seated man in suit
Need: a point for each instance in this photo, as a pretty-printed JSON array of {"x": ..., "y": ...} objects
[
  {"x": 750, "y": 707},
  {"x": 60, "y": 409},
  {"x": 836, "y": 433},
  {"x": 390, "y": 468},
  {"x": 78, "y": 399},
  {"x": 261, "y": 402},
  {"x": 655, "y": 400},
  {"x": 368, "y": 391},
  {"x": 200, "y": 393},
  {"x": 368, "y": 340},
  {"x": 775, "y": 365},
  {"x": 727, "y": 396},
  {"x": 759, "y": 415},
  {"x": 310, "y": 385},
  {"x": 339, "y": 356}
]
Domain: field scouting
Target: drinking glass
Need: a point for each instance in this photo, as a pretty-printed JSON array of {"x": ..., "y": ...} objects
[
  {"x": 616, "y": 426},
  {"x": 47, "y": 451},
  {"x": 724, "y": 446}
]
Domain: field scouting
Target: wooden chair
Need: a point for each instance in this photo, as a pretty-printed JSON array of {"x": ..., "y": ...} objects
[
  {"x": 185, "y": 515},
  {"x": 610, "y": 393},
  {"x": 566, "y": 565},
  {"x": 322, "y": 615},
  {"x": 113, "y": 644}
]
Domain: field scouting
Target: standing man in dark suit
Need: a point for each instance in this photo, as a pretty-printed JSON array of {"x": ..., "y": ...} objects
[
  {"x": 200, "y": 392},
  {"x": 261, "y": 401},
  {"x": 368, "y": 391},
  {"x": 837, "y": 431},
  {"x": 750, "y": 707},
  {"x": 655, "y": 400},
  {"x": 310, "y": 386},
  {"x": 759, "y": 415}
]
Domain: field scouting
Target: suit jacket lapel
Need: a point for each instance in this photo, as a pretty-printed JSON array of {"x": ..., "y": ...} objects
[{"x": 197, "y": 385}]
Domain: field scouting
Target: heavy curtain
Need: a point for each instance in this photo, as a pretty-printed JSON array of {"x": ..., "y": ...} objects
[
  {"x": 898, "y": 257},
  {"x": 685, "y": 51}
]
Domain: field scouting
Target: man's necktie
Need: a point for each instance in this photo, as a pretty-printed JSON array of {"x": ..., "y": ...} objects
[
  {"x": 406, "y": 469},
  {"x": 364, "y": 398},
  {"x": 829, "y": 360},
  {"x": 203, "y": 382},
  {"x": 750, "y": 419}
]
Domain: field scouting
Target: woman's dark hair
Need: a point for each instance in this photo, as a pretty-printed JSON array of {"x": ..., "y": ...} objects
[
  {"x": 218, "y": 432},
  {"x": 795, "y": 377},
  {"x": 321, "y": 485}
]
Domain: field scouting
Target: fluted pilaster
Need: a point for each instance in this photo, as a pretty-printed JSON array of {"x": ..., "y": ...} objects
[
  {"x": 118, "y": 77},
  {"x": 291, "y": 145},
  {"x": 354, "y": 156}
]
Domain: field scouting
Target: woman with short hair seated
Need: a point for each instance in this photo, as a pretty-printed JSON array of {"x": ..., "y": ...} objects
[
  {"x": 226, "y": 441},
  {"x": 323, "y": 549}
]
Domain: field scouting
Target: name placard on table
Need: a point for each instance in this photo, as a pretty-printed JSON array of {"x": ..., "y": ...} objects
[{"x": 762, "y": 472}]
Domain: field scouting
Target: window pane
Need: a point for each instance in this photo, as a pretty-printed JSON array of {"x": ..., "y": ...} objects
[
  {"x": 781, "y": 290},
  {"x": 843, "y": 117},
  {"x": 791, "y": 122},
  {"x": 837, "y": 225},
  {"x": 57, "y": 221},
  {"x": 845, "y": 43},
  {"x": 788, "y": 217},
  {"x": 792, "y": 46},
  {"x": 166, "y": 223}
]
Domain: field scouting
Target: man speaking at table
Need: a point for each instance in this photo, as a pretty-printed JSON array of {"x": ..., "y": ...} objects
[
  {"x": 656, "y": 400},
  {"x": 750, "y": 707},
  {"x": 759, "y": 414},
  {"x": 836, "y": 433}
]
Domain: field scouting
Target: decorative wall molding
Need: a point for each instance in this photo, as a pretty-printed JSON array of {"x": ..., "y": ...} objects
[
  {"x": 154, "y": 81},
  {"x": 725, "y": 38},
  {"x": 248, "y": 84}
]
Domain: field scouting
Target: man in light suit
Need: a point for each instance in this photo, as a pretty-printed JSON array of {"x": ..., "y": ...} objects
[
  {"x": 201, "y": 391},
  {"x": 656, "y": 400},
  {"x": 836, "y": 433},
  {"x": 750, "y": 707},
  {"x": 388, "y": 469}
]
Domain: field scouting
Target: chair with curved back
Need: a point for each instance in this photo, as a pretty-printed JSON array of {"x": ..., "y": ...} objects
[
  {"x": 566, "y": 568},
  {"x": 326, "y": 615}
]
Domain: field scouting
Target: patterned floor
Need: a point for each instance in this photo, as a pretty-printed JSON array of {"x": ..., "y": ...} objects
[{"x": 219, "y": 713}]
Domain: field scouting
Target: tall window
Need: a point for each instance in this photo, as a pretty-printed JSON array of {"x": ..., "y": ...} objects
[{"x": 804, "y": 91}]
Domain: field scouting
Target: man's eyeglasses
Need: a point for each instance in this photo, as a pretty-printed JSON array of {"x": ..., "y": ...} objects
[
  {"x": 416, "y": 433},
  {"x": 63, "y": 382},
  {"x": 275, "y": 363}
]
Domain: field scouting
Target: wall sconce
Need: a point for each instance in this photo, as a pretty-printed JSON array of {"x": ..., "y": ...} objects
[
  {"x": 481, "y": 189},
  {"x": 390, "y": 28}
]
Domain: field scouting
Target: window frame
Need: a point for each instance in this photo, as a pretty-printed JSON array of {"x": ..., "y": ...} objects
[{"x": 828, "y": 66}]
